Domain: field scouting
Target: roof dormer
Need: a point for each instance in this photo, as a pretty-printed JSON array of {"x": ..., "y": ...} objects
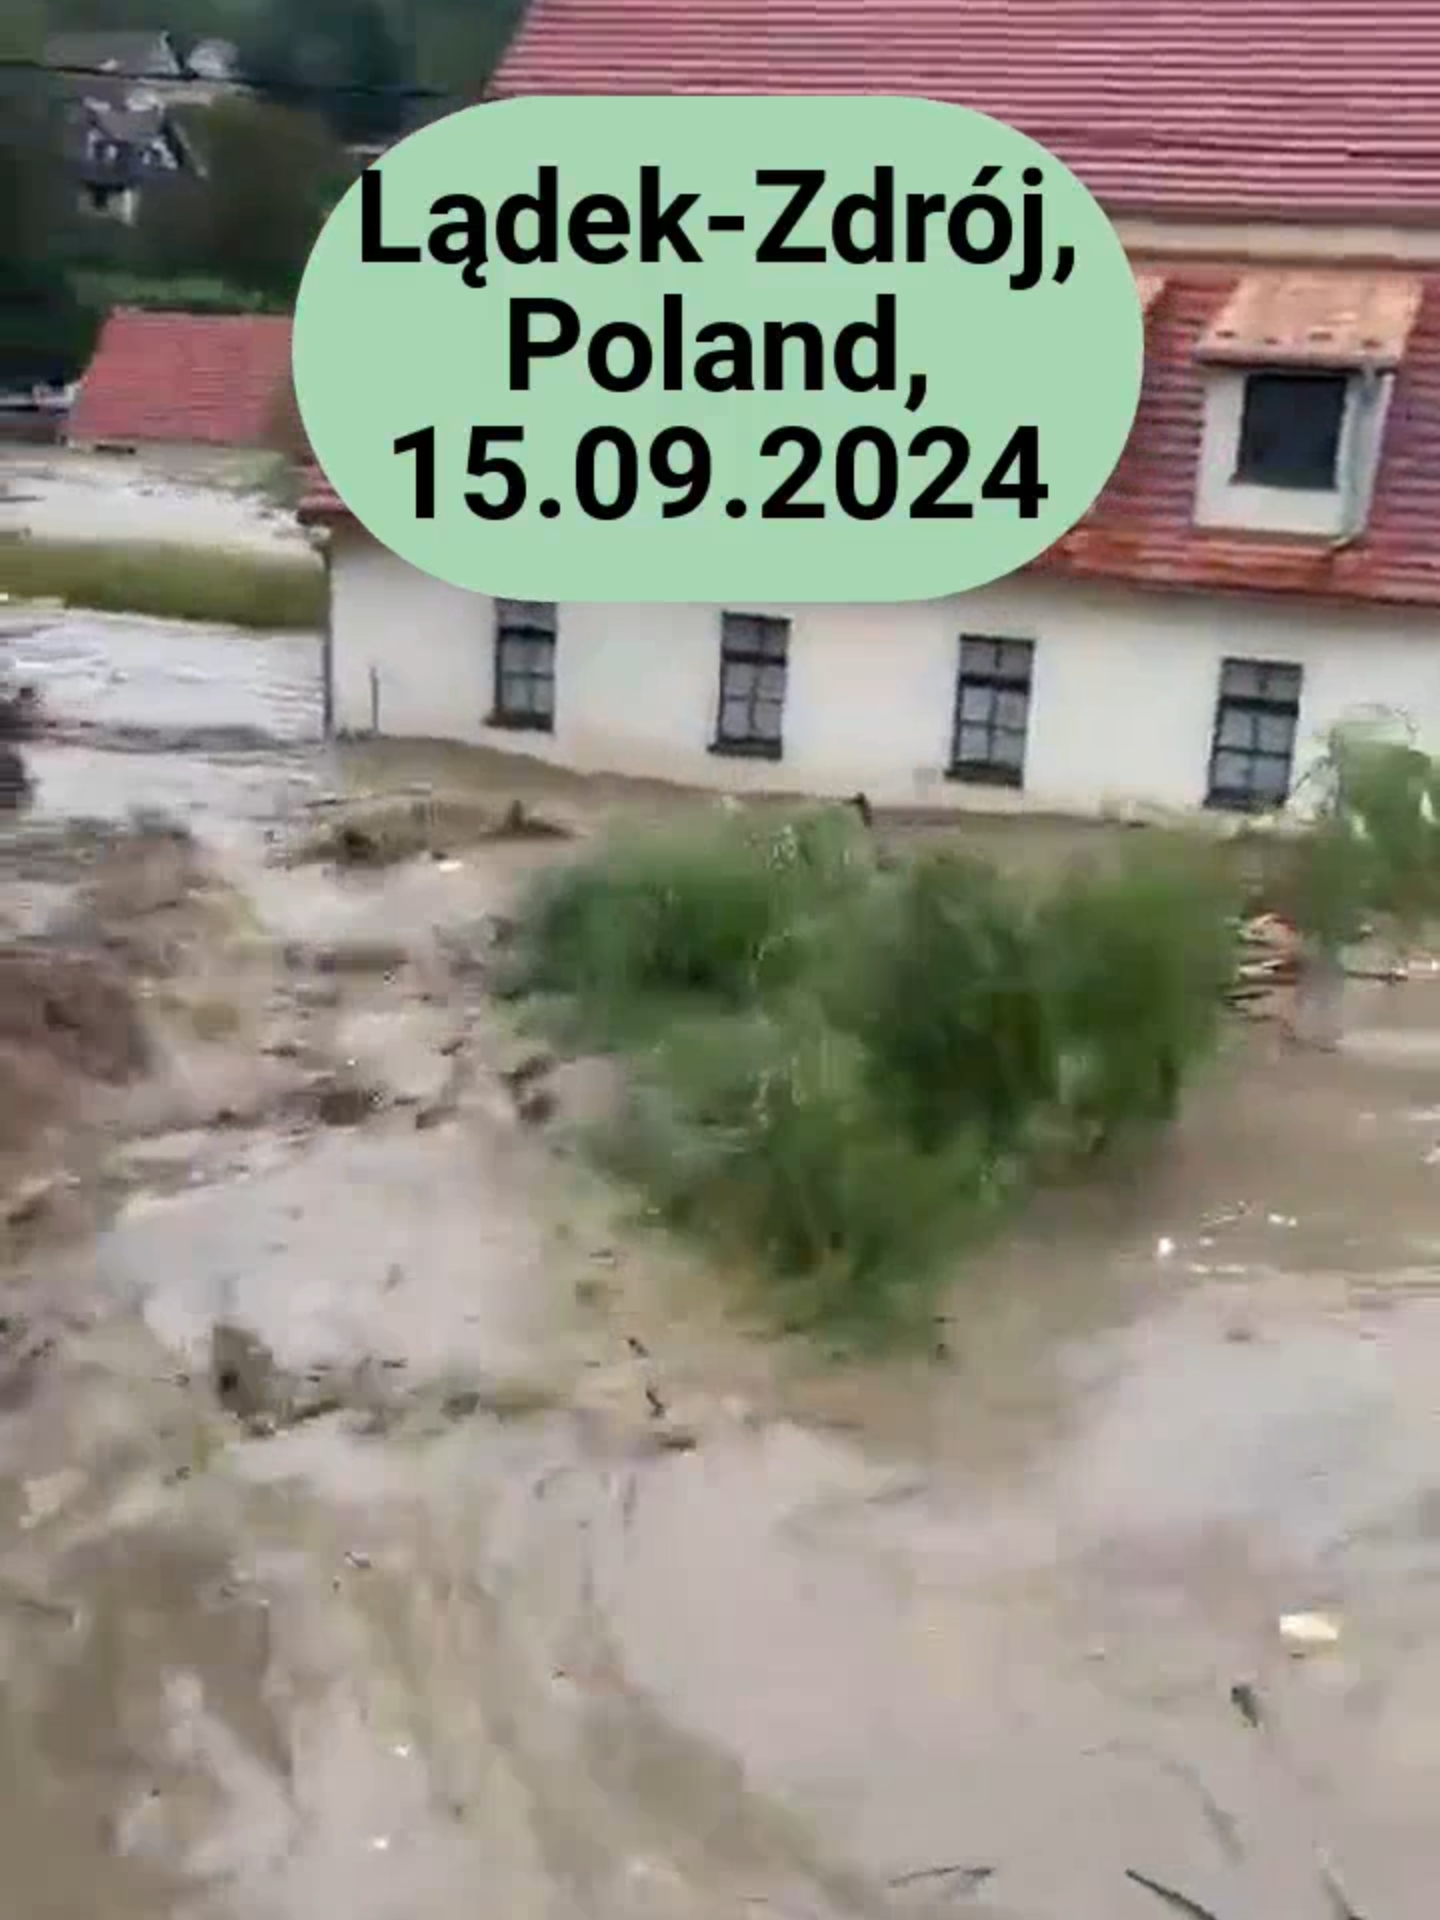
[{"x": 1298, "y": 374}]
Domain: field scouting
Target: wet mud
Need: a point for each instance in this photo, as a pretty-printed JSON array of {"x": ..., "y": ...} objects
[{"x": 390, "y": 1524}]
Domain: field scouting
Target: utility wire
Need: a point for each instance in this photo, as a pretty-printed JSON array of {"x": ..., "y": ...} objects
[
  {"x": 302, "y": 88},
  {"x": 1107, "y": 139}
]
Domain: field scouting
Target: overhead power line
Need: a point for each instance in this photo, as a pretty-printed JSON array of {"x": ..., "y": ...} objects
[
  {"x": 304, "y": 89},
  {"x": 1113, "y": 139}
]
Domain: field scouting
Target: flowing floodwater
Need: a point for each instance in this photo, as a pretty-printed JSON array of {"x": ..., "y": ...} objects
[{"x": 945, "y": 1637}]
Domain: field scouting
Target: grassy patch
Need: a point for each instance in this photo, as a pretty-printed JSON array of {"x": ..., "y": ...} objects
[
  {"x": 844, "y": 1070},
  {"x": 191, "y": 293},
  {"x": 170, "y": 582}
]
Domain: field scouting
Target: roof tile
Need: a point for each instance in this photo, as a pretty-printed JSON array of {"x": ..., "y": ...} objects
[
  {"x": 1149, "y": 286},
  {"x": 1298, "y": 109},
  {"x": 195, "y": 379},
  {"x": 1142, "y": 527}
]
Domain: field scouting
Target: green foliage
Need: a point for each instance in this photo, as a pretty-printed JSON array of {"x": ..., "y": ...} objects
[
  {"x": 187, "y": 20},
  {"x": 272, "y": 175},
  {"x": 762, "y": 1133},
  {"x": 189, "y": 293},
  {"x": 1136, "y": 957},
  {"x": 170, "y": 582},
  {"x": 842, "y": 1072},
  {"x": 1373, "y": 847},
  {"x": 343, "y": 59},
  {"x": 459, "y": 43},
  {"x": 718, "y": 914},
  {"x": 331, "y": 73},
  {"x": 944, "y": 993},
  {"x": 45, "y": 331}
]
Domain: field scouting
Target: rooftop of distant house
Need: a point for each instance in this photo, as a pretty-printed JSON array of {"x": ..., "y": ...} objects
[
  {"x": 132, "y": 55},
  {"x": 90, "y": 58},
  {"x": 184, "y": 379},
  {"x": 1299, "y": 108}
]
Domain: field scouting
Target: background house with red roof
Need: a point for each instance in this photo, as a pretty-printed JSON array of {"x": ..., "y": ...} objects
[
  {"x": 184, "y": 380},
  {"x": 1265, "y": 562}
]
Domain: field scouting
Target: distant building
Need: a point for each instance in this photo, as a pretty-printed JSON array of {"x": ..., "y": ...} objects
[
  {"x": 184, "y": 380},
  {"x": 121, "y": 150},
  {"x": 122, "y": 132},
  {"x": 214, "y": 61},
  {"x": 135, "y": 56}
]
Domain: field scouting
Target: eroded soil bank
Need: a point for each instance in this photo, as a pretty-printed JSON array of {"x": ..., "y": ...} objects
[{"x": 390, "y": 1524}]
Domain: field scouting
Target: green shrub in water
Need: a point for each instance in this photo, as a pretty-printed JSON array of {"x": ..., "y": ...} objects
[
  {"x": 841, "y": 1073},
  {"x": 1136, "y": 955},
  {"x": 946, "y": 995},
  {"x": 718, "y": 913},
  {"x": 1375, "y": 844},
  {"x": 763, "y": 1134}
]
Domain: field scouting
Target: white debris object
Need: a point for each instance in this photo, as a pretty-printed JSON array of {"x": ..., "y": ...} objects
[{"x": 1304, "y": 1632}]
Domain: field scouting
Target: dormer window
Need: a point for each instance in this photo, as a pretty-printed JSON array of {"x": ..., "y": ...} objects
[
  {"x": 1291, "y": 426},
  {"x": 1298, "y": 376}
]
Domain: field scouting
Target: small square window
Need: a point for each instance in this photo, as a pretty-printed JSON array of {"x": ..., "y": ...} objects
[
  {"x": 1290, "y": 427},
  {"x": 1257, "y": 717},
  {"x": 754, "y": 658},
  {"x": 525, "y": 633},
  {"x": 992, "y": 711}
]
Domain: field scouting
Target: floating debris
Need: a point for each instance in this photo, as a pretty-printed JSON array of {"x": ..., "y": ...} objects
[
  {"x": 1181, "y": 1902},
  {"x": 958, "y": 1879},
  {"x": 1246, "y": 1702},
  {"x": 1304, "y": 1632}
]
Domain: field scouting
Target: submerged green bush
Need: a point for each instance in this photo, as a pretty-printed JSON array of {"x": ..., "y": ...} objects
[
  {"x": 763, "y": 1134},
  {"x": 843, "y": 1071},
  {"x": 1135, "y": 958},
  {"x": 168, "y": 581},
  {"x": 946, "y": 994},
  {"x": 720, "y": 912},
  {"x": 1374, "y": 847}
]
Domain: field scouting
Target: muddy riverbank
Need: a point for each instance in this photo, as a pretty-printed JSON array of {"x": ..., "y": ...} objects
[
  {"x": 200, "y": 498},
  {"x": 405, "y": 1595}
]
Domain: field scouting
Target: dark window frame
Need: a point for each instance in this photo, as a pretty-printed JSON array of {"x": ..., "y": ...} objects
[
  {"x": 533, "y": 627},
  {"x": 999, "y": 668},
  {"x": 1254, "y": 691},
  {"x": 1268, "y": 410},
  {"x": 753, "y": 648}
]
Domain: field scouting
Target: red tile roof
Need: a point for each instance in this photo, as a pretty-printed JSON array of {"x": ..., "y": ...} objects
[
  {"x": 208, "y": 379},
  {"x": 1295, "y": 108},
  {"x": 320, "y": 505},
  {"x": 1142, "y": 527}
]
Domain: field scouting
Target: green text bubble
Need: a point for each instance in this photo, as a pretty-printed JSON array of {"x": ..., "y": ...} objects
[{"x": 774, "y": 349}]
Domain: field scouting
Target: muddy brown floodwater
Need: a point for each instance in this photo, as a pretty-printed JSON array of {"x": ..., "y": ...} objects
[{"x": 407, "y": 1606}]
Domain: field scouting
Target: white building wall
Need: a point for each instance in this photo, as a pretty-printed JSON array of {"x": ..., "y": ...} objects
[{"x": 1122, "y": 708}]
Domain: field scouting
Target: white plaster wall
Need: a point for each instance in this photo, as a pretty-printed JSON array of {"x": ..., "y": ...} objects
[{"x": 1122, "y": 708}]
